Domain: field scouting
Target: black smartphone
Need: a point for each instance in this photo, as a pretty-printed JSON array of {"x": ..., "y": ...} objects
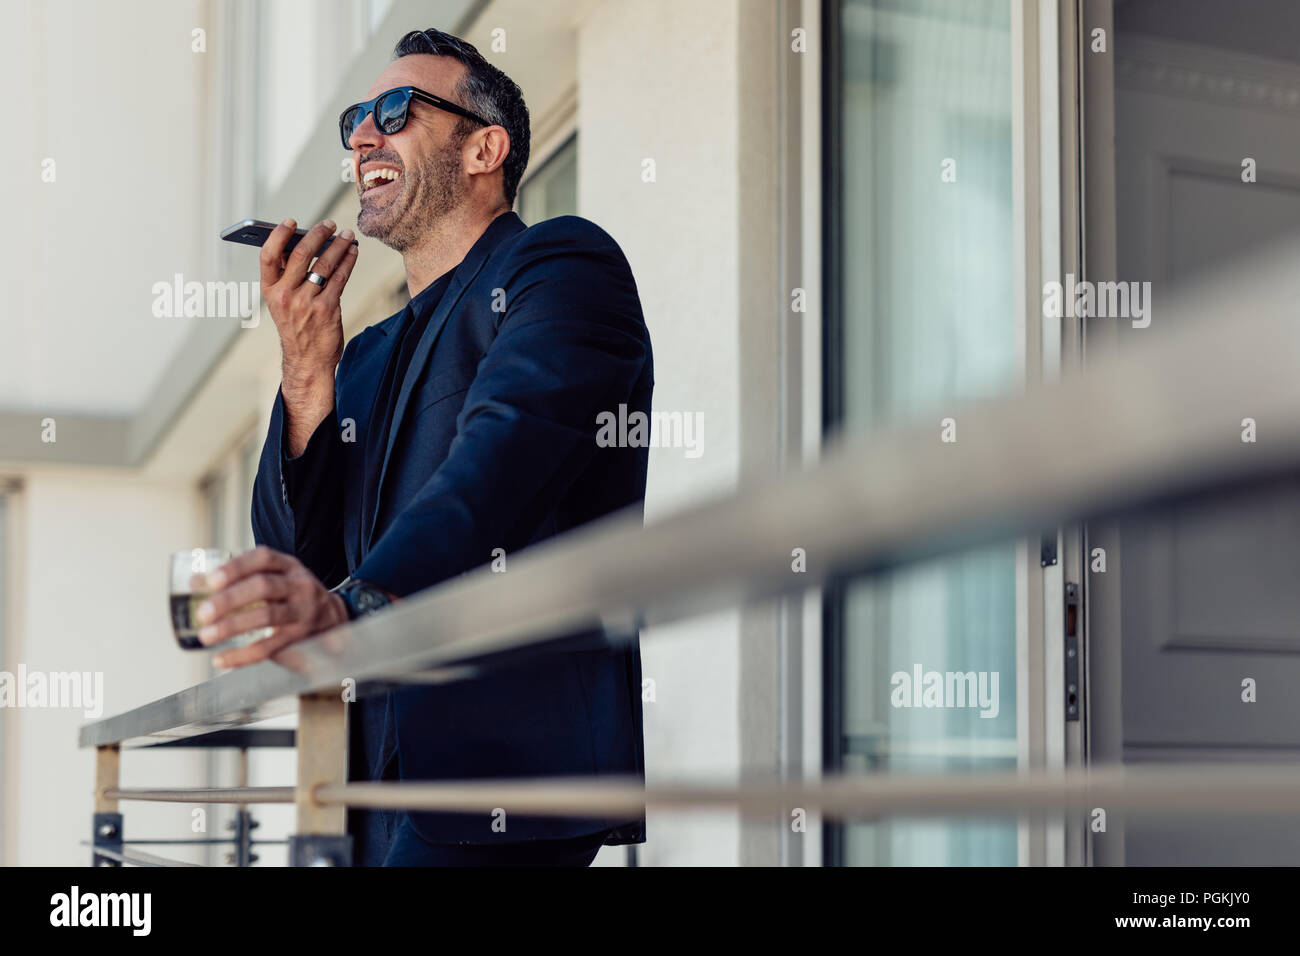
[{"x": 255, "y": 232}]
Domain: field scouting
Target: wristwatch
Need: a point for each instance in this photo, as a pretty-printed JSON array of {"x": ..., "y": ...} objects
[{"x": 361, "y": 598}]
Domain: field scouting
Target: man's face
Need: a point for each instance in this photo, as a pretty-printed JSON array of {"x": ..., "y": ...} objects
[{"x": 424, "y": 156}]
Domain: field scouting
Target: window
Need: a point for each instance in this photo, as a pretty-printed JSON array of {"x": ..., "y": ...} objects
[
  {"x": 300, "y": 56},
  {"x": 552, "y": 190},
  {"x": 373, "y": 13},
  {"x": 919, "y": 315}
]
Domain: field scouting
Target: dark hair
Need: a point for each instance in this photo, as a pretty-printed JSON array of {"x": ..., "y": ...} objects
[{"x": 484, "y": 90}]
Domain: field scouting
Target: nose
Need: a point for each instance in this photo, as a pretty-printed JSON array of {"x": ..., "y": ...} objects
[{"x": 366, "y": 133}]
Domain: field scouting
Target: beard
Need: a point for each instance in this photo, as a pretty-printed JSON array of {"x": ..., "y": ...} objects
[{"x": 429, "y": 192}]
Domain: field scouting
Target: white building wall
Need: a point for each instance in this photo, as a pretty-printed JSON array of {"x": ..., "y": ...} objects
[
  {"x": 658, "y": 84},
  {"x": 89, "y": 588}
]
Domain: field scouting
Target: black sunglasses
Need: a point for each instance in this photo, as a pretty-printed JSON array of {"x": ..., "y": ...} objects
[{"x": 391, "y": 109}]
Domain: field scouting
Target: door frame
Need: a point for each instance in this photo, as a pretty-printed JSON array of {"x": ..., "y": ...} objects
[
  {"x": 1103, "y": 683},
  {"x": 1047, "y": 195}
]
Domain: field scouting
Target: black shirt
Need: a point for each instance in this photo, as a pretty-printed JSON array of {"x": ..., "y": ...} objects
[
  {"x": 373, "y": 732},
  {"x": 408, "y": 330}
]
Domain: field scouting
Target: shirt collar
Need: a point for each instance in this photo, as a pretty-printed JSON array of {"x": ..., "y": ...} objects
[{"x": 432, "y": 291}]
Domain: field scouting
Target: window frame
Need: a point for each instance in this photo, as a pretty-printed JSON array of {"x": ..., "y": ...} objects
[
  {"x": 552, "y": 155},
  {"x": 1045, "y": 231}
]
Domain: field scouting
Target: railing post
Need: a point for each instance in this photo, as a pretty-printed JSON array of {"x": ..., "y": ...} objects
[
  {"x": 243, "y": 825},
  {"x": 321, "y": 838},
  {"x": 106, "y": 821}
]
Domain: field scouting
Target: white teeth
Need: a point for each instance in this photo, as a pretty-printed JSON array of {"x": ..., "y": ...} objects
[{"x": 374, "y": 174}]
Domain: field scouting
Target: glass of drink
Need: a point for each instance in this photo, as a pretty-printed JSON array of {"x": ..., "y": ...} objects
[{"x": 189, "y": 590}]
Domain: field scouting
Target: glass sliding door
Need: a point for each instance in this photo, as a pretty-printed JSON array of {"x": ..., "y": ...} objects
[{"x": 921, "y": 661}]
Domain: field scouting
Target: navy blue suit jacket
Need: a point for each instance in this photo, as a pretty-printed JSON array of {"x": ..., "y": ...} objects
[{"x": 492, "y": 445}]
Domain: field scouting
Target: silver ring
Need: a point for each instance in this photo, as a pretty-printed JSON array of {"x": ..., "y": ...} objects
[{"x": 316, "y": 279}]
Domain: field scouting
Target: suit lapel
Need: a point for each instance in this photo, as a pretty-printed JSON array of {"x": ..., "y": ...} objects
[
  {"x": 506, "y": 224},
  {"x": 369, "y": 375}
]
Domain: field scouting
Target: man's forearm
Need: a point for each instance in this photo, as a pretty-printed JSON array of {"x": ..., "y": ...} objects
[
  {"x": 308, "y": 398},
  {"x": 298, "y": 491}
]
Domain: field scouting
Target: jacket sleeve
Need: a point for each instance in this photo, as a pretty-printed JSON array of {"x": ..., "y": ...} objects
[
  {"x": 570, "y": 344},
  {"x": 298, "y": 502}
]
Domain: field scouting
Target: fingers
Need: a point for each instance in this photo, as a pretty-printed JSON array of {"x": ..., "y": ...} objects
[
  {"x": 271, "y": 614},
  {"x": 264, "y": 588},
  {"x": 249, "y": 590},
  {"x": 260, "y": 559},
  {"x": 295, "y": 270},
  {"x": 339, "y": 277},
  {"x": 338, "y": 250},
  {"x": 253, "y": 653},
  {"x": 273, "y": 252}
]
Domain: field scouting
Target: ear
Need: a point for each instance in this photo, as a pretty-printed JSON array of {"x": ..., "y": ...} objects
[{"x": 486, "y": 149}]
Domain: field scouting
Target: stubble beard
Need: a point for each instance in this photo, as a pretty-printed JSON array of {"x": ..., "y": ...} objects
[{"x": 430, "y": 192}]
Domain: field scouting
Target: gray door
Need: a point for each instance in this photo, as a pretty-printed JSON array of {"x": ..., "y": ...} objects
[{"x": 1199, "y": 601}]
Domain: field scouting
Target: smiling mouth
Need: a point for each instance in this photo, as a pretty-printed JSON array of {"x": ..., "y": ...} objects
[{"x": 379, "y": 180}]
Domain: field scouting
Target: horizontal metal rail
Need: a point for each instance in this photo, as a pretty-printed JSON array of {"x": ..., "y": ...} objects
[
  {"x": 1158, "y": 420},
  {"x": 207, "y": 841},
  {"x": 138, "y": 857},
  {"x": 202, "y": 794},
  {"x": 236, "y": 738},
  {"x": 1231, "y": 788}
]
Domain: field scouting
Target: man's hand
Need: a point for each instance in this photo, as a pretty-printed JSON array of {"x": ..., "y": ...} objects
[
  {"x": 293, "y": 603},
  {"x": 309, "y": 319}
]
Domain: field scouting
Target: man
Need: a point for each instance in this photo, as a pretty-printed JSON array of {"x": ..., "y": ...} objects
[{"x": 463, "y": 424}]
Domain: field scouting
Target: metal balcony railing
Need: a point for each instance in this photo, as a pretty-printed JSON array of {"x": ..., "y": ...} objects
[{"x": 1156, "y": 421}]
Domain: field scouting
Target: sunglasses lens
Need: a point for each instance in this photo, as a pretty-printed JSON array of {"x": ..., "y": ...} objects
[
  {"x": 390, "y": 112},
  {"x": 349, "y": 123}
]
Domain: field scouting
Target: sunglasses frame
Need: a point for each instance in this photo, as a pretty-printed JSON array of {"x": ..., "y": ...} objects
[{"x": 412, "y": 93}]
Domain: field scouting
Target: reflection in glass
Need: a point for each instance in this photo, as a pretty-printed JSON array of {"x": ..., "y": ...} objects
[{"x": 925, "y": 318}]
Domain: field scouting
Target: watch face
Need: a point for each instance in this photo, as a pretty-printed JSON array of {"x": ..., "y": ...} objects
[{"x": 369, "y": 600}]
